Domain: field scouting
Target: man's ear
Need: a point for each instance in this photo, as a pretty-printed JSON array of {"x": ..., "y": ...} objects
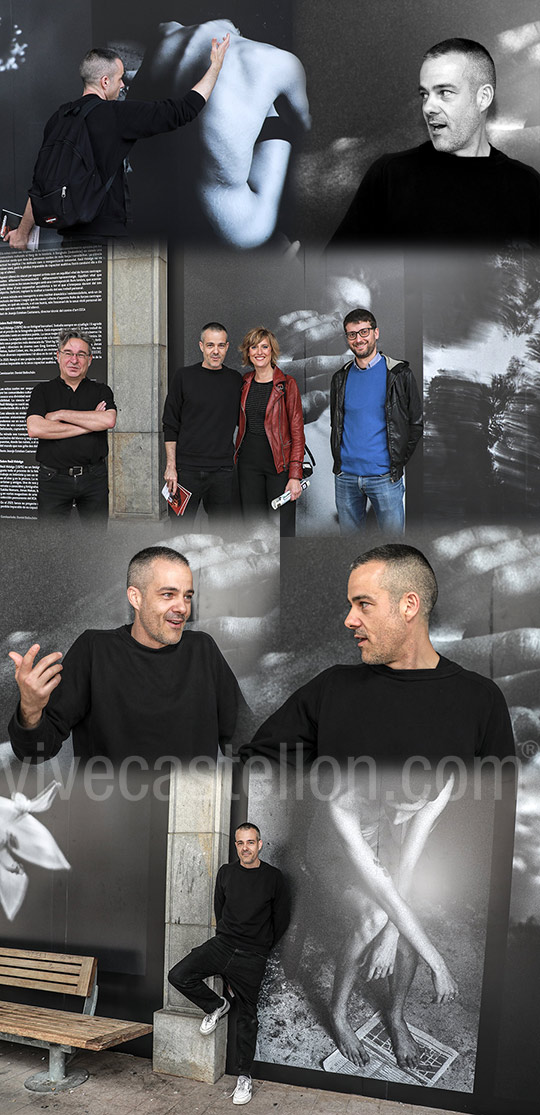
[
  {"x": 485, "y": 96},
  {"x": 410, "y": 604},
  {"x": 134, "y": 597}
]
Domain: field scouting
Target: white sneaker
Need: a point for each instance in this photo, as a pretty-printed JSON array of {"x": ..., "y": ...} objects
[
  {"x": 243, "y": 1091},
  {"x": 210, "y": 1021}
]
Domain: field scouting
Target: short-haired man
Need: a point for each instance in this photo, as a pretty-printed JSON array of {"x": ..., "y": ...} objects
[
  {"x": 199, "y": 420},
  {"x": 405, "y": 707},
  {"x": 376, "y": 422},
  {"x": 70, "y": 416},
  {"x": 252, "y": 913},
  {"x": 456, "y": 187},
  {"x": 114, "y": 126},
  {"x": 150, "y": 688}
]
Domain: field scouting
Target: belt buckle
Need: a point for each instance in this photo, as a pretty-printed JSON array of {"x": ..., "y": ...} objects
[{"x": 77, "y": 470}]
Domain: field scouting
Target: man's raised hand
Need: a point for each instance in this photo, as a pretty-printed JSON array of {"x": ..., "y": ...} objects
[{"x": 36, "y": 681}]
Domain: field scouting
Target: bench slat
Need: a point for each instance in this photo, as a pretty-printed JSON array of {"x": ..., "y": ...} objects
[
  {"x": 46, "y": 971},
  {"x": 8, "y": 962},
  {"x": 58, "y": 957},
  {"x": 68, "y": 1028},
  {"x": 49, "y": 981}
]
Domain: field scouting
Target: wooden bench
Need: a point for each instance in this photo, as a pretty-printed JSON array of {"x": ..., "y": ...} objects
[{"x": 61, "y": 1032}]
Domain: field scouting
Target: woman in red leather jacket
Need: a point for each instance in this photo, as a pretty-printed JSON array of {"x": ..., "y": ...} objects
[{"x": 270, "y": 441}]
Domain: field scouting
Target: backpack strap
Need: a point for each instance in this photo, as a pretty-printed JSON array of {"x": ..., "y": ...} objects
[{"x": 84, "y": 110}]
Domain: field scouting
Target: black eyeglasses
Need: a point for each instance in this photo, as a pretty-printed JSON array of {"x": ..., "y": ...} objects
[{"x": 354, "y": 333}]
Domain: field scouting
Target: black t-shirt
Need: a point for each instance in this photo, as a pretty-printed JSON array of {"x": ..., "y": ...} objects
[
  {"x": 427, "y": 195},
  {"x": 201, "y": 415},
  {"x": 114, "y": 126},
  {"x": 251, "y": 906},
  {"x": 56, "y": 394}
]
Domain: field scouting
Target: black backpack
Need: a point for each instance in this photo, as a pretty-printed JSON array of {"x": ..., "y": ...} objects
[{"x": 67, "y": 188}]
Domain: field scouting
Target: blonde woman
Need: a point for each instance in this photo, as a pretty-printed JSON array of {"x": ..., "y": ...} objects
[{"x": 270, "y": 440}]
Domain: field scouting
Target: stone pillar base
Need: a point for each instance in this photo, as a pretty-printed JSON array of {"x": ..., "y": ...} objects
[{"x": 181, "y": 1050}]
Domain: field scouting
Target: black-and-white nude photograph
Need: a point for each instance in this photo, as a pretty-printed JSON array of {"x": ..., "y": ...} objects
[
  {"x": 451, "y": 854},
  {"x": 226, "y": 177}
]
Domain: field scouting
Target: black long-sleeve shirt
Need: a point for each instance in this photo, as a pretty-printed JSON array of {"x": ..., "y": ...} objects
[
  {"x": 122, "y": 699},
  {"x": 426, "y": 195},
  {"x": 390, "y": 716},
  {"x": 251, "y": 906},
  {"x": 201, "y": 415}
]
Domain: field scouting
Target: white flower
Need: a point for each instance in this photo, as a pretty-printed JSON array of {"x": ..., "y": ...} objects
[{"x": 23, "y": 837}]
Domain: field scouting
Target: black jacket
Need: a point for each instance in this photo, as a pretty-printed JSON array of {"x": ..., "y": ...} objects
[{"x": 403, "y": 413}]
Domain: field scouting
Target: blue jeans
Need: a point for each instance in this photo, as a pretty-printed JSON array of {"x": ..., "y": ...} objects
[{"x": 386, "y": 498}]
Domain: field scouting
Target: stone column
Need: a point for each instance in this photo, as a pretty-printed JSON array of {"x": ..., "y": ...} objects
[
  {"x": 137, "y": 374},
  {"x": 198, "y": 842}
]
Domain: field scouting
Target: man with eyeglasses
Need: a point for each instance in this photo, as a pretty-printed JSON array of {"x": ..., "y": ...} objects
[
  {"x": 376, "y": 422},
  {"x": 70, "y": 416},
  {"x": 199, "y": 419}
]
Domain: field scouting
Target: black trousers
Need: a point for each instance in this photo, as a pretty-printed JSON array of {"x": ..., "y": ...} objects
[
  {"x": 259, "y": 483},
  {"x": 244, "y": 972},
  {"x": 90, "y": 493},
  {"x": 214, "y": 488}
]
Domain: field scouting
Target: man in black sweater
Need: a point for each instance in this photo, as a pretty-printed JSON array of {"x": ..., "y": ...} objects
[
  {"x": 391, "y": 735},
  {"x": 252, "y": 913},
  {"x": 114, "y": 126},
  {"x": 199, "y": 420},
  {"x": 456, "y": 187},
  {"x": 143, "y": 691},
  {"x": 70, "y": 416}
]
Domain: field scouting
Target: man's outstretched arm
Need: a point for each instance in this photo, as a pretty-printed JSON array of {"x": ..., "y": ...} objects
[{"x": 217, "y": 55}]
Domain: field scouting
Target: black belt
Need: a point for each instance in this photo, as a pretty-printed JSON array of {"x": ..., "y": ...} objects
[{"x": 75, "y": 470}]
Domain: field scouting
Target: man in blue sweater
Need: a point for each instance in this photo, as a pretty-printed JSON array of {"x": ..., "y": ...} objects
[
  {"x": 376, "y": 420},
  {"x": 252, "y": 913}
]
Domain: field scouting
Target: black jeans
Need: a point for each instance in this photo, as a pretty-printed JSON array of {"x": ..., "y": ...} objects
[
  {"x": 214, "y": 488},
  {"x": 259, "y": 483},
  {"x": 90, "y": 493},
  {"x": 242, "y": 970}
]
